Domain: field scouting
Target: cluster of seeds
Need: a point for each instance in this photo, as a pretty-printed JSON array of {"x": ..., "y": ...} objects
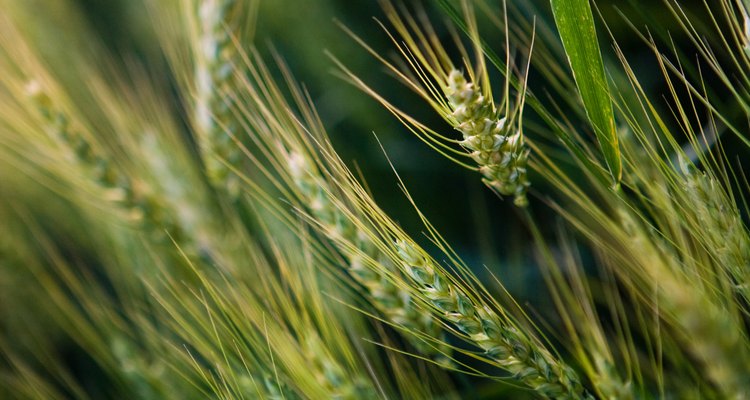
[
  {"x": 712, "y": 335},
  {"x": 216, "y": 55},
  {"x": 495, "y": 143},
  {"x": 723, "y": 230},
  {"x": 140, "y": 206},
  {"x": 396, "y": 304},
  {"x": 513, "y": 351}
]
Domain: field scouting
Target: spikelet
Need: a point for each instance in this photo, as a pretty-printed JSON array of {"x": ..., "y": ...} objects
[
  {"x": 140, "y": 205},
  {"x": 708, "y": 329},
  {"x": 214, "y": 70},
  {"x": 505, "y": 344},
  {"x": 494, "y": 142},
  {"x": 722, "y": 231},
  {"x": 394, "y": 303}
]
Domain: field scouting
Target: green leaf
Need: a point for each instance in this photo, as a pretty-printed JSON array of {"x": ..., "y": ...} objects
[{"x": 575, "y": 22}]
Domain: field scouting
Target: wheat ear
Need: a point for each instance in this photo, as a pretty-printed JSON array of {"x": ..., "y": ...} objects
[
  {"x": 346, "y": 215},
  {"x": 215, "y": 57},
  {"x": 437, "y": 294},
  {"x": 392, "y": 302},
  {"x": 492, "y": 134},
  {"x": 139, "y": 205},
  {"x": 502, "y": 342},
  {"x": 707, "y": 328},
  {"x": 722, "y": 231},
  {"x": 496, "y": 143}
]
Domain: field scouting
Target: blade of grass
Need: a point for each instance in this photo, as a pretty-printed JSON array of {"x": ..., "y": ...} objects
[{"x": 575, "y": 23}]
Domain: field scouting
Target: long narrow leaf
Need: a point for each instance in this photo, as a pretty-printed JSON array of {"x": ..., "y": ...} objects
[{"x": 575, "y": 22}]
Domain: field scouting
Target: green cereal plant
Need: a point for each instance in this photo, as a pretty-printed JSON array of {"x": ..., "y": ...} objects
[
  {"x": 291, "y": 152},
  {"x": 491, "y": 134},
  {"x": 347, "y": 216},
  {"x": 214, "y": 26},
  {"x": 184, "y": 222}
]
